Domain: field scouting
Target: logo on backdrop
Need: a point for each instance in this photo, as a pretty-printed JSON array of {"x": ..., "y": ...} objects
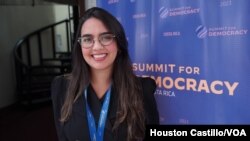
[
  {"x": 179, "y": 11},
  {"x": 139, "y": 15},
  {"x": 166, "y": 84},
  {"x": 224, "y": 3},
  {"x": 112, "y": 1},
  {"x": 171, "y": 33},
  {"x": 202, "y": 31}
]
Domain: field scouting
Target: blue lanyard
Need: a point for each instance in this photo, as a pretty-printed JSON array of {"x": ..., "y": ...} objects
[{"x": 97, "y": 135}]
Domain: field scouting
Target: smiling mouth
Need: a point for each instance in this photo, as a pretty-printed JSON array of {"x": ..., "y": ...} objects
[{"x": 99, "y": 57}]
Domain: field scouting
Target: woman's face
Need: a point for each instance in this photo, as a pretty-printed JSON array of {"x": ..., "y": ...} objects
[{"x": 98, "y": 56}]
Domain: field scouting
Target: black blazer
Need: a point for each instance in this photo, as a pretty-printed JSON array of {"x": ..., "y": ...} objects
[{"x": 76, "y": 128}]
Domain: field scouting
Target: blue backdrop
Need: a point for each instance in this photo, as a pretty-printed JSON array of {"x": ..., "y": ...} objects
[{"x": 197, "y": 51}]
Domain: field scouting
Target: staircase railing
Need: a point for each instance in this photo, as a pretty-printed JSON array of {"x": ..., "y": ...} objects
[{"x": 38, "y": 60}]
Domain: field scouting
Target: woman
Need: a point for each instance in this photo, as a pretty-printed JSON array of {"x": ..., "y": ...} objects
[{"x": 102, "y": 99}]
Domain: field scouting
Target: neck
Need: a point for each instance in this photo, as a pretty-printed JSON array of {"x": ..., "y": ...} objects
[{"x": 100, "y": 81}]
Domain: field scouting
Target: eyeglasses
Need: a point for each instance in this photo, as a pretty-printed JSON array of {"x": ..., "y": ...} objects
[{"x": 88, "y": 41}]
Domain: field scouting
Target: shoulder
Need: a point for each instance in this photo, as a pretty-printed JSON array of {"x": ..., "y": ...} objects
[
  {"x": 148, "y": 87},
  {"x": 58, "y": 91},
  {"x": 59, "y": 81},
  {"x": 148, "y": 84},
  {"x": 150, "y": 105},
  {"x": 58, "y": 87}
]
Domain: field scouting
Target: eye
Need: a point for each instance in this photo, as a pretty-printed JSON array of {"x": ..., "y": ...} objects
[
  {"x": 107, "y": 37},
  {"x": 87, "y": 40}
]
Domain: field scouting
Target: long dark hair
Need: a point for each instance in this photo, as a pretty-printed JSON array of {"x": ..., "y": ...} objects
[{"x": 126, "y": 85}]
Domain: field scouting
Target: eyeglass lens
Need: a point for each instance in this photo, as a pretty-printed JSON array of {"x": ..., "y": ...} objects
[{"x": 88, "y": 40}]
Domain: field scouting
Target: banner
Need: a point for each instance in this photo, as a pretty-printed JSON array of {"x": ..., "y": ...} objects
[{"x": 198, "y": 52}]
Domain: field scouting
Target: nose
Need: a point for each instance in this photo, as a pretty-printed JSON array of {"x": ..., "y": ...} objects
[{"x": 97, "y": 45}]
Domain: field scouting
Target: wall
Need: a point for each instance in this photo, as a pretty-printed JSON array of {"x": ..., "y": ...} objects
[
  {"x": 90, "y": 3},
  {"x": 17, "y": 21}
]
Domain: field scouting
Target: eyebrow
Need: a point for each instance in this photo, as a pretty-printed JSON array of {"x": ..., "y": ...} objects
[{"x": 87, "y": 35}]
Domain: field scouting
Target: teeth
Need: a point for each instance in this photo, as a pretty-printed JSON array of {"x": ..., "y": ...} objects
[{"x": 99, "y": 55}]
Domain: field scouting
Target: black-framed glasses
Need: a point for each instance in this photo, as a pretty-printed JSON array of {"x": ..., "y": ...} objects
[{"x": 87, "y": 41}]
